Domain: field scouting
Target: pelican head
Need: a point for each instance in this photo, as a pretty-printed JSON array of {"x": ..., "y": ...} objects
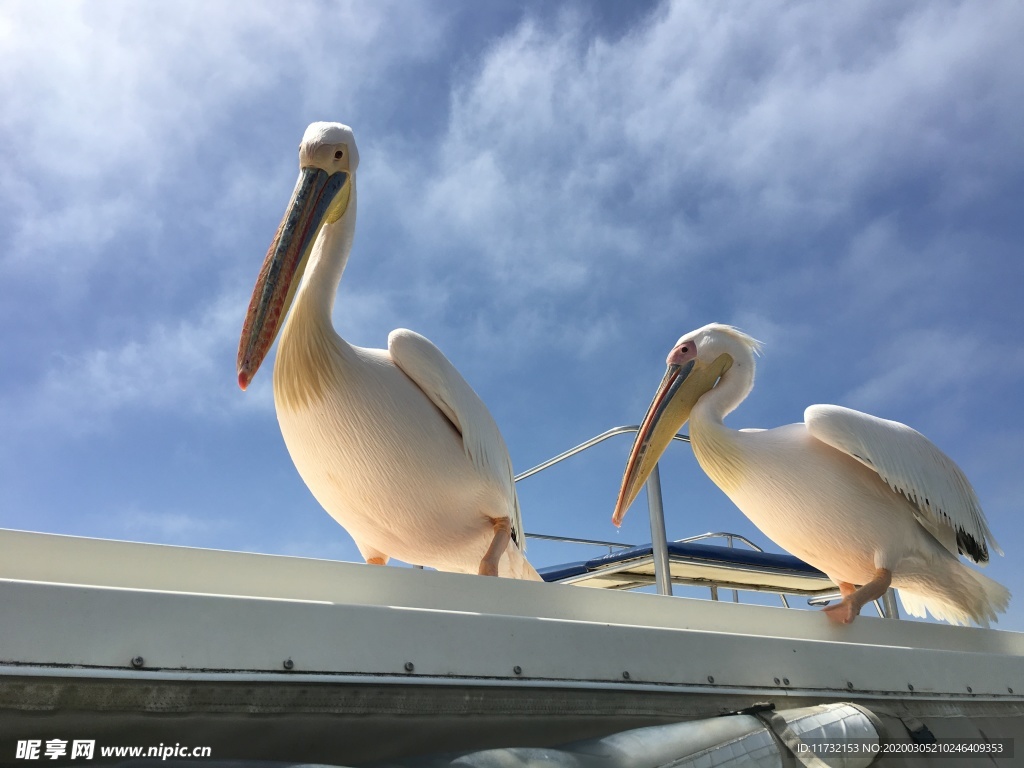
[
  {"x": 327, "y": 164},
  {"x": 696, "y": 364}
]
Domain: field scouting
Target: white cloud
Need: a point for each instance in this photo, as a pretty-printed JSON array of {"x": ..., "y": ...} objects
[
  {"x": 944, "y": 375},
  {"x": 572, "y": 173},
  {"x": 186, "y": 366},
  {"x": 571, "y": 167},
  {"x": 909, "y": 368},
  {"x": 109, "y": 103},
  {"x": 130, "y": 119},
  {"x": 139, "y": 85},
  {"x": 162, "y": 526}
]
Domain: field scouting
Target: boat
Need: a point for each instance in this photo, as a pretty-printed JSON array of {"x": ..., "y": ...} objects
[{"x": 127, "y": 651}]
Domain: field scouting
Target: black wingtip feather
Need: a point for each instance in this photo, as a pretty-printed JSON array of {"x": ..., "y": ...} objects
[{"x": 970, "y": 546}]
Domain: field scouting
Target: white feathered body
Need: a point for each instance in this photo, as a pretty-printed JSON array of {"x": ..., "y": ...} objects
[
  {"x": 394, "y": 444},
  {"x": 375, "y": 449},
  {"x": 850, "y": 493},
  {"x": 384, "y": 461},
  {"x": 833, "y": 505},
  {"x": 840, "y": 517}
]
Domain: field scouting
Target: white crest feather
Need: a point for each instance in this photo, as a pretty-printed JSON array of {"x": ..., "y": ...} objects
[{"x": 712, "y": 329}]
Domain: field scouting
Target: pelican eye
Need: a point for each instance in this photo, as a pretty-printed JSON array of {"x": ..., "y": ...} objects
[{"x": 338, "y": 154}]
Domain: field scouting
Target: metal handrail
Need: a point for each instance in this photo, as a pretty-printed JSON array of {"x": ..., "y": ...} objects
[
  {"x": 659, "y": 536},
  {"x": 730, "y": 538},
  {"x": 620, "y": 545},
  {"x": 655, "y": 507},
  {"x": 722, "y": 535},
  {"x": 573, "y": 540},
  {"x": 613, "y": 432},
  {"x": 885, "y": 605}
]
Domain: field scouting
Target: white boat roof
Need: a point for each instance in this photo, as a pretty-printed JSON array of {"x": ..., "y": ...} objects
[{"x": 80, "y": 606}]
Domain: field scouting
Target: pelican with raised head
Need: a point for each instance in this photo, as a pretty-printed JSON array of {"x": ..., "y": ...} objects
[
  {"x": 869, "y": 502},
  {"x": 394, "y": 443}
]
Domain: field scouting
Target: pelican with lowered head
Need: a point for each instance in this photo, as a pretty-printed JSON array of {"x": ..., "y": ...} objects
[
  {"x": 394, "y": 443},
  {"x": 869, "y": 502}
]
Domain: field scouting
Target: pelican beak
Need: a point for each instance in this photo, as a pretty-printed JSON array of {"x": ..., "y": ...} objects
[
  {"x": 318, "y": 198},
  {"x": 678, "y": 392}
]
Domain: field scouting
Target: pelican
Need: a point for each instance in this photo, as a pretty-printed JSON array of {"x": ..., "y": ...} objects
[
  {"x": 394, "y": 443},
  {"x": 871, "y": 503}
]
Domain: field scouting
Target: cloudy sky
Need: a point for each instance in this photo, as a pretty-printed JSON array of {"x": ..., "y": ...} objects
[{"x": 553, "y": 193}]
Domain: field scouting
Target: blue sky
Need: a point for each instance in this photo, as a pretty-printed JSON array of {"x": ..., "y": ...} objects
[{"x": 553, "y": 193}]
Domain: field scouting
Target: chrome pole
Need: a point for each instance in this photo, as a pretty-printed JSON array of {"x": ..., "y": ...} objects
[
  {"x": 659, "y": 539},
  {"x": 892, "y": 609}
]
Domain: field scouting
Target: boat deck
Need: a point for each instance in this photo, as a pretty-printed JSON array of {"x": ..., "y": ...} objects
[{"x": 696, "y": 565}]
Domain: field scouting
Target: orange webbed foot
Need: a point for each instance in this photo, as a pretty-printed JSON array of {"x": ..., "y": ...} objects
[
  {"x": 847, "y": 609},
  {"x": 843, "y": 612}
]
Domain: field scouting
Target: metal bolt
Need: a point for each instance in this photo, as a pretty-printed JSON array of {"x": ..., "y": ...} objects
[
  {"x": 849, "y": 685},
  {"x": 910, "y": 686},
  {"x": 288, "y": 664},
  {"x": 409, "y": 666},
  {"x": 785, "y": 681},
  {"x": 969, "y": 689},
  {"x": 625, "y": 676},
  {"x": 711, "y": 679},
  {"x": 138, "y": 661},
  {"x": 776, "y": 681},
  {"x": 517, "y": 669}
]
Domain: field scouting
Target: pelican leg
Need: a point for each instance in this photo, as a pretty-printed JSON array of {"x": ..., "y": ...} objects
[
  {"x": 372, "y": 556},
  {"x": 847, "y": 609},
  {"x": 502, "y": 536}
]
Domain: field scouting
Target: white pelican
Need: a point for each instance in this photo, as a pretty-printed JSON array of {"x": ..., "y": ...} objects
[
  {"x": 869, "y": 502},
  {"x": 394, "y": 444}
]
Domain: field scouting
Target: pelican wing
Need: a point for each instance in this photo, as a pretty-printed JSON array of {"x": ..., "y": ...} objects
[
  {"x": 914, "y": 467},
  {"x": 440, "y": 381}
]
